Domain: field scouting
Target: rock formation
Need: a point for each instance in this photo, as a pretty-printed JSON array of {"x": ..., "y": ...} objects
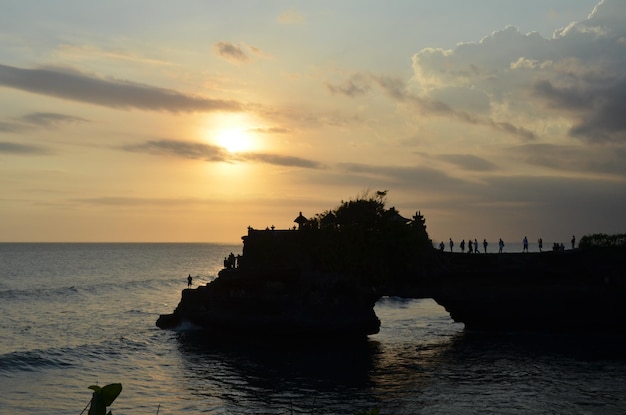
[{"x": 324, "y": 279}]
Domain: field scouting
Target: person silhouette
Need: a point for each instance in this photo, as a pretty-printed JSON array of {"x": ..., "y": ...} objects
[
  {"x": 573, "y": 241},
  {"x": 189, "y": 279},
  {"x": 525, "y": 249},
  {"x": 540, "y": 244}
]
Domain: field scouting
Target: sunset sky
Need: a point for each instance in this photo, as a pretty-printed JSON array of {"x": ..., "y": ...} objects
[{"x": 188, "y": 121}]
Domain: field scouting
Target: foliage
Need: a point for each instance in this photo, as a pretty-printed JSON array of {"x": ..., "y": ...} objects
[
  {"x": 363, "y": 237},
  {"x": 601, "y": 240},
  {"x": 103, "y": 397}
]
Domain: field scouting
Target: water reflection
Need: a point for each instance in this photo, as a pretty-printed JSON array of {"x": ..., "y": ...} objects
[
  {"x": 419, "y": 363},
  {"x": 282, "y": 377},
  {"x": 386, "y": 371}
]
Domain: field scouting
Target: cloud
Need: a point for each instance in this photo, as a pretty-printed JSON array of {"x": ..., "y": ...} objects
[
  {"x": 212, "y": 153},
  {"x": 271, "y": 130},
  {"x": 21, "y": 149},
  {"x": 230, "y": 52},
  {"x": 11, "y": 127},
  {"x": 599, "y": 109},
  {"x": 468, "y": 162},
  {"x": 423, "y": 178},
  {"x": 289, "y": 161},
  {"x": 77, "y": 86},
  {"x": 34, "y": 120},
  {"x": 585, "y": 204},
  {"x": 184, "y": 149},
  {"x": 563, "y": 194},
  {"x": 578, "y": 75},
  {"x": 427, "y": 106},
  {"x": 144, "y": 202},
  {"x": 598, "y": 159},
  {"x": 357, "y": 84},
  {"x": 50, "y": 119}
]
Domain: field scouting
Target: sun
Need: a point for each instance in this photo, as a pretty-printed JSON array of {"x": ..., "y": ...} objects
[{"x": 234, "y": 140}]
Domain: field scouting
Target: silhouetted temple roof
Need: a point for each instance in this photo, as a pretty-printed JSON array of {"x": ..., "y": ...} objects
[
  {"x": 300, "y": 219},
  {"x": 395, "y": 216}
]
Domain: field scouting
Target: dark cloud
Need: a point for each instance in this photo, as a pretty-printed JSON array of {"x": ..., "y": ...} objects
[
  {"x": 552, "y": 207},
  {"x": 11, "y": 127},
  {"x": 212, "y": 153},
  {"x": 35, "y": 120},
  {"x": 184, "y": 149},
  {"x": 230, "y": 52},
  {"x": 601, "y": 108},
  {"x": 560, "y": 196},
  {"x": 427, "y": 106},
  {"x": 50, "y": 119},
  {"x": 143, "y": 202},
  {"x": 72, "y": 85},
  {"x": 468, "y": 162},
  {"x": 357, "y": 84},
  {"x": 578, "y": 74},
  {"x": 15, "y": 148},
  {"x": 280, "y": 160},
  {"x": 599, "y": 159},
  {"x": 397, "y": 90},
  {"x": 404, "y": 176}
]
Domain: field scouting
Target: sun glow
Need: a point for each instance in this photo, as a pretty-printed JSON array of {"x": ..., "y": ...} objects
[{"x": 235, "y": 140}]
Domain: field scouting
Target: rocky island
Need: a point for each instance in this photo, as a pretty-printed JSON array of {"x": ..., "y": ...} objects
[{"x": 324, "y": 276}]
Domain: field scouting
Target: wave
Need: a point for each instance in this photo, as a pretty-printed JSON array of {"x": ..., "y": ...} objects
[
  {"x": 32, "y": 361},
  {"x": 37, "y": 293},
  {"x": 89, "y": 288},
  {"x": 66, "y": 357}
]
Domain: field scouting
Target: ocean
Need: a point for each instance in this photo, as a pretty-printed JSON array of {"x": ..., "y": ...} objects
[{"x": 75, "y": 315}]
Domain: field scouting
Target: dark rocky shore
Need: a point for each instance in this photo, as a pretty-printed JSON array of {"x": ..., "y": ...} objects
[
  {"x": 579, "y": 290},
  {"x": 582, "y": 290},
  {"x": 325, "y": 278},
  {"x": 277, "y": 303}
]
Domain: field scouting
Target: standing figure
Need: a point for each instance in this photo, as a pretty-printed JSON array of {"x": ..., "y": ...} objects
[
  {"x": 573, "y": 241},
  {"x": 525, "y": 248},
  {"x": 451, "y": 244},
  {"x": 462, "y": 245},
  {"x": 442, "y": 246},
  {"x": 476, "y": 248},
  {"x": 500, "y": 245},
  {"x": 189, "y": 279},
  {"x": 469, "y": 246},
  {"x": 540, "y": 244},
  {"x": 485, "y": 245}
]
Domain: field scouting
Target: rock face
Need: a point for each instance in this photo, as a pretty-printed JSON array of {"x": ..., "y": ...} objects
[
  {"x": 325, "y": 278},
  {"x": 579, "y": 290},
  {"x": 277, "y": 303}
]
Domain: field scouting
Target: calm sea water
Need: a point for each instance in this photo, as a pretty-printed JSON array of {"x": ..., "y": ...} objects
[{"x": 73, "y": 315}]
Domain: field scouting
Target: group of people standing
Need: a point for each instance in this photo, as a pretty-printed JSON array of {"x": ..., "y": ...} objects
[
  {"x": 232, "y": 261},
  {"x": 474, "y": 247}
]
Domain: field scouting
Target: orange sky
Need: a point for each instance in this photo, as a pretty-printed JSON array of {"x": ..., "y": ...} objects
[{"x": 190, "y": 121}]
